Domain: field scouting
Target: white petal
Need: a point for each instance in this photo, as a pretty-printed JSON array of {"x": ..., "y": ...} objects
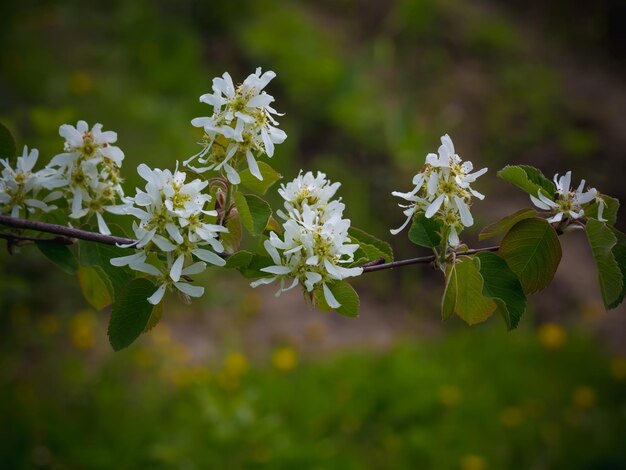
[
  {"x": 209, "y": 257},
  {"x": 254, "y": 167},
  {"x": 330, "y": 298},
  {"x": 466, "y": 216},
  {"x": 102, "y": 225},
  {"x": 177, "y": 267},
  {"x": 155, "y": 298},
  {"x": 191, "y": 291},
  {"x": 434, "y": 206}
]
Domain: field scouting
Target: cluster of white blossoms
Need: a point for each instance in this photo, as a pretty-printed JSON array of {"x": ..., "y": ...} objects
[
  {"x": 90, "y": 170},
  {"x": 242, "y": 126},
  {"x": 20, "y": 187},
  {"x": 568, "y": 204},
  {"x": 315, "y": 244},
  {"x": 172, "y": 224},
  {"x": 442, "y": 190}
]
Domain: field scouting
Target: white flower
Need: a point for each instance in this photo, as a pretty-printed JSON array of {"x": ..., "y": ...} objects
[
  {"x": 315, "y": 244},
  {"x": 567, "y": 203},
  {"x": 172, "y": 220},
  {"x": 20, "y": 186},
  {"x": 442, "y": 189},
  {"x": 313, "y": 191},
  {"x": 90, "y": 168},
  {"x": 242, "y": 126}
]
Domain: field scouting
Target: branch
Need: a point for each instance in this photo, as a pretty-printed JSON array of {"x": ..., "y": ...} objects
[
  {"x": 64, "y": 231},
  {"x": 67, "y": 233},
  {"x": 369, "y": 267},
  {"x": 58, "y": 240}
]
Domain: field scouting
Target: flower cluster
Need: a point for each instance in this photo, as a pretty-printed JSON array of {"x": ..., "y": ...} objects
[
  {"x": 90, "y": 168},
  {"x": 173, "y": 231},
  {"x": 568, "y": 204},
  {"x": 315, "y": 244},
  {"x": 242, "y": 126},
  {"x": 20, "y": 187},
  {"x": 442, "y": 190}
]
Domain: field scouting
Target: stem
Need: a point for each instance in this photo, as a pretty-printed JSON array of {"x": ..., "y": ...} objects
[
  {"x": 68, "y": 233},
  {"x": 423, "y": 260},
  {"x": 64, "y": 231}
]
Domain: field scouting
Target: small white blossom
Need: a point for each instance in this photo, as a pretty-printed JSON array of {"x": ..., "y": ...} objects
[
  {"x": 90, "y": 167},
  {"x": 172, "y": 219},
  {"x": 567, "y": 203},
  {"x": 442, "y": 189},
  {"x": 315, "y": 244},
  {"x": 242, "y": 126},
  {"x": 20, "y": 186}
]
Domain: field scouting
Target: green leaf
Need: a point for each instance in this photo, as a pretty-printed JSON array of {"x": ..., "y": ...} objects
[
  {"x": 366, "y": 253},
  {"x": 239, "y": 260},
  {"x": 619, "y": 251},
  {"x": 60, "y": 255},
  {"x": 155, "y": 316},
  {"x": 533, "y": 252},
  {"x": 232, "y": 239},
  {"x": 362, "y": 236},
  {"x": 254, "y": 212},
  {"x": 131, "y": 313},
  {"x": 602, "y": 241},
  {"x": 471, "y": 305},
  {"x": 270, "y": 176},
  {"x": 8, "y": 149},
  {"x": 96, "y": 286},
  {"x": 345, "y": 295},
  {"x": 528, "y": 178},
  {"x": 99, "y": 254},
  {"x": 448, "y": 302},
  {"x": 505, "y": 224},
  {"x": 425, "y": 232},
  {"x": 610, "y": 210},
  {"x": 502, "y": 285},
  {"x": 253, "y": 269}
]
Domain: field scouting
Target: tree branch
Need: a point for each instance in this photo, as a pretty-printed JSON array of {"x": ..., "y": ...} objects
[
  {"x": 68, "y": 233},
  {"x": 369, "y": 267},
  {"x": 58, "y": 240},
  {"x": 64, "y": 231}
]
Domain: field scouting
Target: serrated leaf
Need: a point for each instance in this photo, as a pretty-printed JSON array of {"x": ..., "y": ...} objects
[
  {"x": 270, "y": 176},
  {"x": 502, "y": 285},
  {"x": 505, "y": 224},
  {"x": 366, "y": 253},
  {"x": 239, "y": 260},
  {"x": 362, "y": 236},
  {"x": 8, "y": 149},
  {"x": 232, "y": 239},
  {"x": 602, "y": 241},
  {"x": 155, "y": 316},
  {"x": 471, "y": 305},
  {"x": 448, "y": 301},
  {"x": 254, "y": 212},
  {"x": 533, "y": 252},
  {"x": 131, "y": 313},
  {"x": 528, "y": 178},
  {"x": 60, "y": 255},
  {"x": 425, "y": 232},
  {"x": 610, "y": 210},
  {"x": 96, "y": 286},
  {"x": 619, "y": 251},
  {"x": 99, "y": 254},
  {"x": 345, "y": 295}
]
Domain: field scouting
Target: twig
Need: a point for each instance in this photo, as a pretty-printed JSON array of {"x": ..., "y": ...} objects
[
  {"x": 368, "y": 267},
  {"x": 67, "y": 233},
  {"x": 64, "y": 231}
]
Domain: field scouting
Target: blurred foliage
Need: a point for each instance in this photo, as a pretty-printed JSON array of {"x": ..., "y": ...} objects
[{"x": 504, "y": 401}]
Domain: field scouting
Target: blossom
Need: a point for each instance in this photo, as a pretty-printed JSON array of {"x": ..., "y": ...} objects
[
  {"x": 443, "y": 189},
  {"x": 90, "y": 168},
  {"x": 313, "y": 191},
  {"x": 173, "y": 221},
  {"x": 242, "y": 126},
  {"x": 20, "y": 186},
  {"x": 567, "y": 203},
  {"x": 315, "y": 245}
]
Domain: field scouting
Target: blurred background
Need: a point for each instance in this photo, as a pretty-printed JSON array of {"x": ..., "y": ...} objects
[{"x": 242, "y": 379}]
